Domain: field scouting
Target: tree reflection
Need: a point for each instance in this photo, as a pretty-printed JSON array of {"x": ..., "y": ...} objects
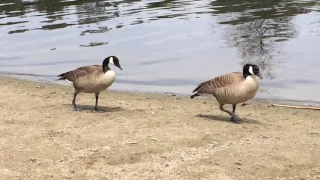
[
  {"x": 257, "y": 28},
  {"x": 253, "y": 24},
  {"x": 12, "y": 8},
  {"x": 93, "y": 12}
]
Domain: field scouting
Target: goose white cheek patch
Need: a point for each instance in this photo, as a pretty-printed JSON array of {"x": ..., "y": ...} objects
[
  {"x": 111, "y": 60},
  {"x": 251, "y": 70}
]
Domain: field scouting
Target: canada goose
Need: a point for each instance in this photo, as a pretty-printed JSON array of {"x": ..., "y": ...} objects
[
  {"x": 232, "y": 88},
  {"x": 92, "y": 79}
]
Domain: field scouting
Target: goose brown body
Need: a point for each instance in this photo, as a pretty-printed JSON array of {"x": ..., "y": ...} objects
[
  {"x": 232, "y": 88},
  {"x": 90, "y": 79}
]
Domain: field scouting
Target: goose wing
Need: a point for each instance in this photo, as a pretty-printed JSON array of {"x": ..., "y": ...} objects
[
  {"x": 80, "y": 72},
  {"x": 210, "y": 86}
]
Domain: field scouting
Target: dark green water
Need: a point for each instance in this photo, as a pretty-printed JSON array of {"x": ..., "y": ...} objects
[{"x": 167, "y": 45}]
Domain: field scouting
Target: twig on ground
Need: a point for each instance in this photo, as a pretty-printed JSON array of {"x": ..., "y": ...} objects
[{"x": 297, "y": 107}]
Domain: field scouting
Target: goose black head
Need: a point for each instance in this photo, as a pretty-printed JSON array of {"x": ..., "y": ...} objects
[
  {"x": 111, "y": 60},
  {"x": 251, "y": 69}
]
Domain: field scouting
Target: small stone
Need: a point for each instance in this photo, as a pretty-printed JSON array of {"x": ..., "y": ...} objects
[
  {"x": 133, "y": 142},
  {"x": 33, "y": 160},
  {"x": 169, "y": 94}
]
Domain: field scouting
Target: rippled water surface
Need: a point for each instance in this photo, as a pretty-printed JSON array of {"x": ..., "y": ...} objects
[{"x": 167, "y": 46}]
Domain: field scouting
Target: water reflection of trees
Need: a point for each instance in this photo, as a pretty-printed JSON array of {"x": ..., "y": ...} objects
[
  {"x": 12, "y": 8},
  {"x": 257, "y": 27},
  {"x": 272, "y": 18},
  {"x": 257, "y": 42},
  {"x": 93, "y": 12},
  {"x": 88, "y": 12}
]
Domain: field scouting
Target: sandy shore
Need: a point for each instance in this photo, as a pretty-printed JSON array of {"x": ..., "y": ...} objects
[{"x": 150, "y": 136}]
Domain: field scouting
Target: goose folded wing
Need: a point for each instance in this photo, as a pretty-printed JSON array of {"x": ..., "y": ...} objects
[
  {"x": 218, "y": 82},
  {"x": 82, "y": 71}
]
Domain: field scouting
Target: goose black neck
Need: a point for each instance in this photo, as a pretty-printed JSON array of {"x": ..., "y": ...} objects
[
  {"x": 105, "y": 65},
  {"x": 245, "y": 74},
  {"x": 106, "y": 68}
]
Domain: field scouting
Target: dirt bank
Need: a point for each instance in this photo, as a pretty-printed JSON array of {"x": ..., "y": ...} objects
[{"x": 150, "y": 136}]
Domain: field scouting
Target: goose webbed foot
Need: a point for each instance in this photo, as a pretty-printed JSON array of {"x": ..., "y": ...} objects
[
  {"x": 235, "y": 119},
  {"x": 96, "y": 109},
  {"x": 76, "y": 108}
]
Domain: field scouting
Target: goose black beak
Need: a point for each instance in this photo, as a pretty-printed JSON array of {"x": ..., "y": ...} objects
[
  {"x": 259, "y": 75},
  {"x": 119, "y": 67}
]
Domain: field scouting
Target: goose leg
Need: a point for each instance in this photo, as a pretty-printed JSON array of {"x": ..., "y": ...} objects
[
  {"x": 234, "y": 117},
  {"x": 95, "y": 108},
  {"x": 74, "y": 106},
  {"x": 224, "y": 110}
]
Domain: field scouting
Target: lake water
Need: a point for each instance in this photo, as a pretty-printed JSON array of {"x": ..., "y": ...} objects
[{"x": 167, "y": 46}]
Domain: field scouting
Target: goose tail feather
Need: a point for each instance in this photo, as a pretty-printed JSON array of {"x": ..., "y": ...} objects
[
  {"x": 194, "y": 95},
  {"x": 63, "y": 76}
]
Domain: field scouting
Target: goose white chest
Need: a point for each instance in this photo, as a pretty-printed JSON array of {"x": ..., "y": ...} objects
[
  {"x": 252, "y": 81},
  {"x": 250, "y": 86},
  {"x": 108, "y": 78}
]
